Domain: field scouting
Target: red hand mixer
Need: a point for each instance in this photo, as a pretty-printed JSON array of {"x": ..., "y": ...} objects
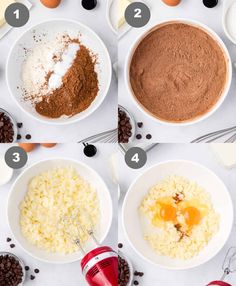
[
  {"x": 100, "y": 265},
  {"x": 229, "y": 266}
]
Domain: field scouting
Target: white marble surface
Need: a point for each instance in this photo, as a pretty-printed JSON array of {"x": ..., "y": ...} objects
[
  {"x": 104, "y": 117},
  {"x": 224, "y": 116},
  {"x": 68, "y": 274},
  {"x": 202, "y": 275}
]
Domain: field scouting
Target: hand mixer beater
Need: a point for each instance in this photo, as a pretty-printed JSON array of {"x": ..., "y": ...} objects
[{"x": 99, "y": 265}]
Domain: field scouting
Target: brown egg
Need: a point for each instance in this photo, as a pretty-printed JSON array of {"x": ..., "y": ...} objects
[
  {"x": 28, "y": 147},
  {"x": 172, "y": 2},
  {"x": 50, "y": 3},
  {"x": 48, "y": 145}
]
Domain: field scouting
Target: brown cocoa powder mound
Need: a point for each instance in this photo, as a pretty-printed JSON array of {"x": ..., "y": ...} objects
[{"x": 78, "y": 91}]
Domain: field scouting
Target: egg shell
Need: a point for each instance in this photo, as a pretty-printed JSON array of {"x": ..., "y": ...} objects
[
  {"x": 28, "y": 147},
  {"x": 172, "y": 2},
  {"x": 48, "y": 145},
  {"x": 51, "y": 3}
]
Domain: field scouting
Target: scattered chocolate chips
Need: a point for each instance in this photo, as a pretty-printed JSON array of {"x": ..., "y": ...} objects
[
  {"x": 148, "y": 136},
  {"x": 11, "y": 272},
  {"x": 6, "y": 129},
  {"x": 12, "y": 245},
  {"x": 36, "y": 270},
  {"x": 140, "y": 124},
  {"x": 27, "y": 268},
  {"x": 124, "y": 272},
  {"x": 120, "y": 245},
  {"x": 28, "y": 137},
  {"x": 138, "y": 136},
  {"x": 124, "y": 127},
  {"x": 89, "y": 4}
]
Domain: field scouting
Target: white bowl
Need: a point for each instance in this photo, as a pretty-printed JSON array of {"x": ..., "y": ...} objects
[
  {"x": 19, "y": 190},
  {"x": 226, "y": 6},
  {"x": 227, "y": 86},
  {"x": 208, "y": 180},
  {"x": 51, "y": 28}
]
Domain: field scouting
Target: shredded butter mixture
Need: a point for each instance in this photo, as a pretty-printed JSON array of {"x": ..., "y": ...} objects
[{"x": 56, "y": 203}]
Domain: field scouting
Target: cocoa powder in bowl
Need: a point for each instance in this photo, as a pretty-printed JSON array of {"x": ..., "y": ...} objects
[
  {"x": 178, "y": 72},
  {"x": 78, "y": 91}
]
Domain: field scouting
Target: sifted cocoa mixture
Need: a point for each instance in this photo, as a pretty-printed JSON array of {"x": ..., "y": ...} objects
[
  {"x": 79, "y": 89},
  {"x": 178, "y": 72}
]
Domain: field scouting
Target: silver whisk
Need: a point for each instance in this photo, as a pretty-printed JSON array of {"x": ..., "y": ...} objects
[
  {"x": 214, "y": 136},
  {"x": 110, "y": 136},
  {"x": 65, "y": 221},
  {"x": 229, "y": 264}
]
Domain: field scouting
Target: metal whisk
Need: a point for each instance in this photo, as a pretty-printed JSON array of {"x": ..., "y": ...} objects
[
  {"x": 110, "y": 136},
  {"x": 214, "y": 136},
  {"x": 65, "y": 221},
  {"x": 229, "y": 264}
]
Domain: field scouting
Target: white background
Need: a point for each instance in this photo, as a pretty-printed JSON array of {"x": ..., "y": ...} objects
[
  {"x": 200, "y": 276},
  {"x": 104, "y": 118},
  {"x": 224, "y": 117},
  {"x": 68, "y": 274}
]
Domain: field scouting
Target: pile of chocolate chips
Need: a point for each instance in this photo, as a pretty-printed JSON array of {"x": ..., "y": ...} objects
[
  {"x": 124, "y": 272},
  {"x": 6, "y": 129},
  {"x": 124, "y": 127},
  {"x": 11, "y": 272}
]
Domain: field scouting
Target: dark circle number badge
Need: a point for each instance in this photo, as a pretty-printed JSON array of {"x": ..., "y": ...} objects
[
  {"x": 136, "y": 158},
  {"x": 16, "y": 157},
  {"x": 137, "y": 14},
  {"x": 17, "y": 15}
]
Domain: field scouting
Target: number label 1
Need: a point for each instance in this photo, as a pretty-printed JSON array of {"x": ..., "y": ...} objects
[{"x": 17, "y": 14}]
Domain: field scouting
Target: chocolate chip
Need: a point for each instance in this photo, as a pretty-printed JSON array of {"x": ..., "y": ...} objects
[
  {"x": 12, "y": 245},
  {"x": 149, "y": 136},
  {"x": 140, "y": 124},
  {"x": 124, "y": 272},
  {"x": 11, "y": 272},
  {"x": 28, "y": 136},
  {"x": 32, "y": 277},
  {"x": 120, "y": 245},
  {"x": 18, "y": 136},
  {"x": 8, "y": 239},
  {"x": 36, "y": 270},
  {"x": 6, "y": 129},
  {"x": 136, "y": 282},
  {"x": 138, "y": 136},
  {"x": 27, "y": 268},
  {"x": 19, "y": 125},
  {"x": 124, "y": 127}
]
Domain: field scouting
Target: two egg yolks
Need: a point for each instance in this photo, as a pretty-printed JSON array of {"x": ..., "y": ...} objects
[{"x": 191, "y": 215}]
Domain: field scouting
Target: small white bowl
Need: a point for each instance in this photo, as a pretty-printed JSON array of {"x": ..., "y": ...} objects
[
  {"x": 15, "y": 129},
  {"x": 4, "y": 253},
  {"x": 19, "y": 190},
  {"x": 51, "y": 28},
  {"x": 226, "y": 5},
  {"x": 132, "y": 122},
  {"x": 131, "y": 269},
  {"x": 227, "y": 85},
  {"x": 221, "y": 201}
]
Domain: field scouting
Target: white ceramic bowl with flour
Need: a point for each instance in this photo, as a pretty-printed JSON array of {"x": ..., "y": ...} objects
[{"x": 47, "y": 32}]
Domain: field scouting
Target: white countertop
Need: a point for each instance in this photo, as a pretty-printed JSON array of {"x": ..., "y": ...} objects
[
  {"x": 104, "y": 118},
  {"x": 224, "y": 116},
  {"x": 210, "y": 271},
  {"x": 68, "y": 274}
]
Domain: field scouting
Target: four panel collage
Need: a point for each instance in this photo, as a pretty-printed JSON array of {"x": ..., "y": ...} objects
[{"x": 117, "y": 142}]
